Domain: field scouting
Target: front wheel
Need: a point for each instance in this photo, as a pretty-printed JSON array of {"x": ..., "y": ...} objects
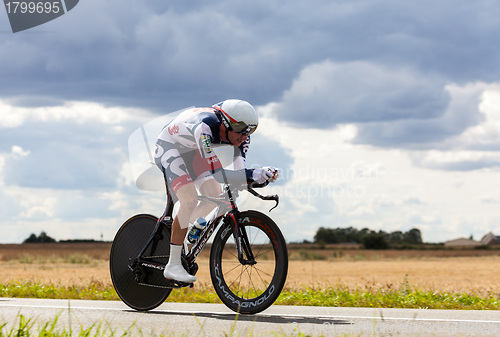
[{"x": 249, "y": 289}]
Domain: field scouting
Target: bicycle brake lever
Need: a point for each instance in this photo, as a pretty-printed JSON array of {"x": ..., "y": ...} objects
[{"x": 277, "y": 199}]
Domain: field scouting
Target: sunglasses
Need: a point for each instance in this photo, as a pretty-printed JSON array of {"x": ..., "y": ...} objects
[{"x": 243, "y": 129}]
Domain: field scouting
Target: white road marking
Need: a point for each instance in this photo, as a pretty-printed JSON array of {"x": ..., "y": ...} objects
[{"x": 272, "y": 315}]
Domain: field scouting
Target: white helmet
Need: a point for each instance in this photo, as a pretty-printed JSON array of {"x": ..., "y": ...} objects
[{"x": 238, "y": 116}]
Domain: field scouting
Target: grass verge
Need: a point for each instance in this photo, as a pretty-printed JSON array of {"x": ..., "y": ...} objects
[
  {"x": 332, "y": 296},
  {"x": 24, "y": 326},
  {"x": 29, "y": 326}
]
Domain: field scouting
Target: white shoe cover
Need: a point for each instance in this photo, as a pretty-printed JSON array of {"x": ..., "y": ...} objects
[{"x": 178, "y": 273}]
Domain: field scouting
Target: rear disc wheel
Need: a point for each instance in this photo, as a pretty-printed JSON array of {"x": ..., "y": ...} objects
[{"x": 128, "y": 243}]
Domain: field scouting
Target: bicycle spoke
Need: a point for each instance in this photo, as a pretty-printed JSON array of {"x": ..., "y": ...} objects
[
  {"x": 251, "y": 281},
  {"x": 263, "y": 282},
  {"x": 239, "y": 275},
  {"x": 227, "y": 272},
  {"x": 263, "y": 253},
  {"x": 231, "y": 252},
  {"x": 239, "y": 281},
  {"x": 262, "y": 271},
  {"x": 251, "y": 287}
]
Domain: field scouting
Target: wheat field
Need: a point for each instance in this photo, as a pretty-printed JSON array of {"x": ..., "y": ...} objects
[{"x": 452, "y": 271}]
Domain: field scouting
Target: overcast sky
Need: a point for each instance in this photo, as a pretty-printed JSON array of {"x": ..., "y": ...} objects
[{"x": 381, "y": 114}]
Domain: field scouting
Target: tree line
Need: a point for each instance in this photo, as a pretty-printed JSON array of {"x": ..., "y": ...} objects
[
  {"x": 369, "y": 238},
  {"x": 44, "y": 238}
]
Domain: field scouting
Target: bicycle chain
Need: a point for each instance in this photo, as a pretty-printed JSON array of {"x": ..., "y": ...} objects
[
  {"x": 174, "y": 285},
  {"x": 154, "y": 285}
]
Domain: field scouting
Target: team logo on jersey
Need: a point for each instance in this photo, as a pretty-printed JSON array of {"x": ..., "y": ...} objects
[
  {"x": 207, "y": 143},
  {"x": 212, "y": 160},
  {"x": 173, "y": 130}
]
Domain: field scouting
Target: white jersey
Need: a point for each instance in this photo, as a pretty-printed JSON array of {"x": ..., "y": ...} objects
[{"x": 198, "y": 129}]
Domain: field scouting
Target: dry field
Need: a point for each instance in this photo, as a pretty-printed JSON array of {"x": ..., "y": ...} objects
[{"x": 472, "y": 271}]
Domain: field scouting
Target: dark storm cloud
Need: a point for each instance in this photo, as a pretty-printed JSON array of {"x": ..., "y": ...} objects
[
  {"x": 132, "y": 54},
  {"x": 461, "y": 113},
  {"x": 327, "y": 94},
  {"x": 383, "y": 65},
  {"x": 167, "y": 55}
]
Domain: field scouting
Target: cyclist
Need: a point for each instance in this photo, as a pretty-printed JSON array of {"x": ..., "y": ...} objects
[{"x": 184, "y": 152}]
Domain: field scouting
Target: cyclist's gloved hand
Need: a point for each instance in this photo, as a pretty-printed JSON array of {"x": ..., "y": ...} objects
[
  {"x": 261, "y": 175},
  {"x": 274, "y": 171}
]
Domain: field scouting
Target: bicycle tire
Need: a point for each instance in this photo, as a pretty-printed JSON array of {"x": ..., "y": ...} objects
[
  {"x": 249, "y": 289},
  {"x": 127, "y": 244}
]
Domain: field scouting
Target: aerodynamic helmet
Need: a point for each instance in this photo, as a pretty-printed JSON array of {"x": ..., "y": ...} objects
[{"x": 238, "y": 116}]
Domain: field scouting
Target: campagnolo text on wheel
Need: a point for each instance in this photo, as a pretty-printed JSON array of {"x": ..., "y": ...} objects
[{"x": 150, "y": 256}]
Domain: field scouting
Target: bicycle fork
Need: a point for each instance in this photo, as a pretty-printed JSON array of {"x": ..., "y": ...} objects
[{"x": 241, "y": 240}]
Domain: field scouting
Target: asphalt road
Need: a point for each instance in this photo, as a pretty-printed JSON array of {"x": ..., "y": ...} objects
[{"x": 176, "y": 319}]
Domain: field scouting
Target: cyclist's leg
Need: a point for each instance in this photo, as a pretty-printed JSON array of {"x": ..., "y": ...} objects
[
  {"x": 169, "y": 159},
  {"x": 207, "y": 186},
  {"x": 188, "y": 199},
  {"x": 180, "y": 184}
]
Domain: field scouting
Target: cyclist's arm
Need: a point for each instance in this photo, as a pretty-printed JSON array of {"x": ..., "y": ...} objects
[
  {"x": 204, "y": 137},
  {"x": 240, "y": 160}
]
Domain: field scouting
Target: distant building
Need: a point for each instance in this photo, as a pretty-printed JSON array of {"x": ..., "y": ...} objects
[
  {"x": 462, "y": 242},
  {"x": 490, "y": 240}
]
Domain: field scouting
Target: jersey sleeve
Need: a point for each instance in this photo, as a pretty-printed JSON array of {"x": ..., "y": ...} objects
[
  {"x": 240, "y": 159},
  {"x": 203, "y": 136}
]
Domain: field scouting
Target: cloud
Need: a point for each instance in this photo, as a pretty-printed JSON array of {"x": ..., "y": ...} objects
[
  {"x": 150, "y": 55},
  {"x": 466, "y": 137},
  {"x": 455, "y": 160},
  {"x": 492, "y": 198},
  {"x": 447, "y": 127},
  {"x": 74, "y": 146},
  {"x": 264, "y": 151},
  {"x": 167, "y": 55},
  {"x": 390, "y": 107},
  {"x": 421, "y": 74},
  {"x": 78, "y": 112},
  {"x": 461, "y": 113},
  {"x": 328, "y": 93}
]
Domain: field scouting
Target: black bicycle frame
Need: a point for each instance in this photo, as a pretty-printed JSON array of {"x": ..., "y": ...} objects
[{"x": 227, "y": 211}]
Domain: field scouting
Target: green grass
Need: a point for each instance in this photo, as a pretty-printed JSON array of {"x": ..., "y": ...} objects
[
  {"x": 30, "y": 289},
  {"x": 26, "y": 327},
  {"x": 339, "y": 297},
  {"x": 332, "y": 296}
]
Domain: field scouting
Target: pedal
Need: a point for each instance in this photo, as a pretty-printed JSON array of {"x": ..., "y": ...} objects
[{"x": 178, "y": 284}]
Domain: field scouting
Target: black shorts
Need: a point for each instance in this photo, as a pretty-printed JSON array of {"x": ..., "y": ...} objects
[{"x": 181, "y": 165}]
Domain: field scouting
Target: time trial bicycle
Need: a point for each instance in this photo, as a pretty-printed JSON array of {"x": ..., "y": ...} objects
[{"x": 248, "y": 258}]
